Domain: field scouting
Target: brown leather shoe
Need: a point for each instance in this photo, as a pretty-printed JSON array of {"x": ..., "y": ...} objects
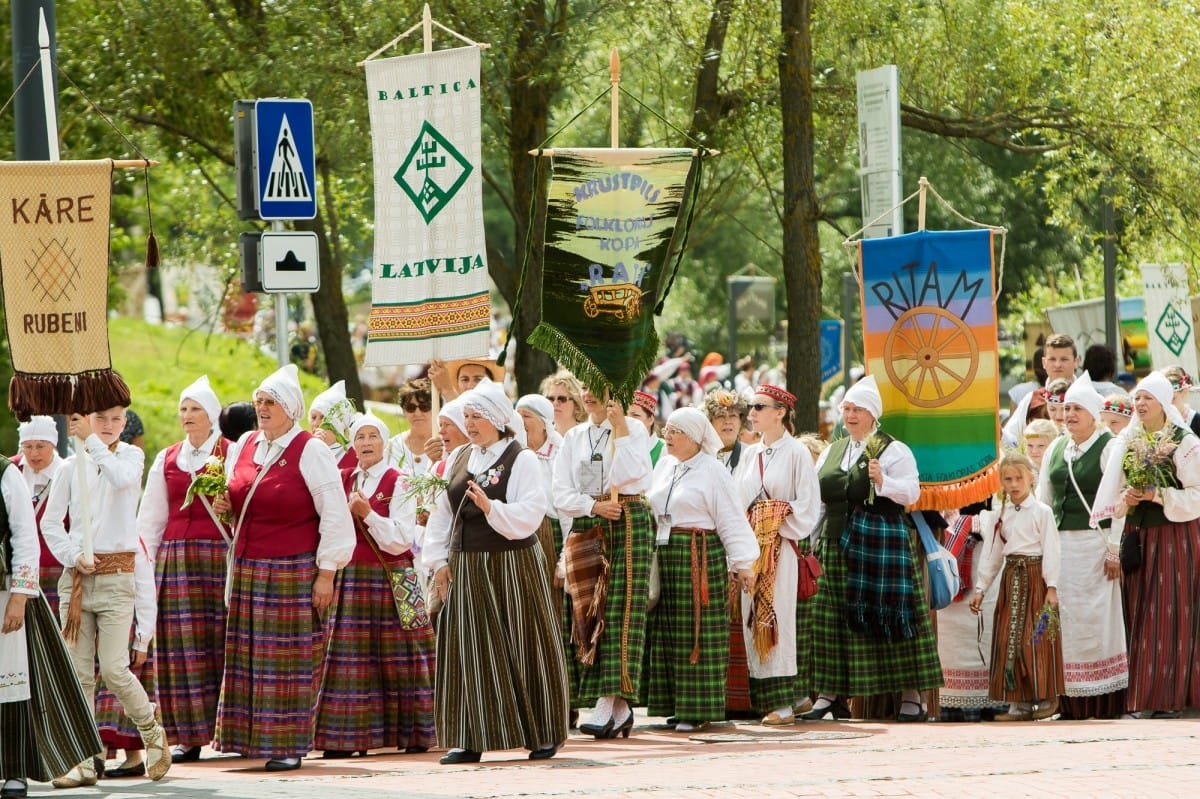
[
  {"x": 1014, "y": 715},
  {"x": 1045, "y": 710}
]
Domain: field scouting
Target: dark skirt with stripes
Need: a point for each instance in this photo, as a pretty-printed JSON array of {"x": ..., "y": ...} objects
[
  {"x": 845, "y": 663},
  {"x": 190, "y": 639},
  {"x": 1025, "y": 666},
  {"x": 53, "y": 731},
  {"x": 1162, "y": 618},
  {"x": 117, "y": 730},
  {"x": 378, "y": 684},
  {"x": 49, "y": 576},
  {"x": 501, "y": 671},
  {"x": 274, "y": 648},
  {"x": 628, "y": 542},
  {"x": 688, "y": 664}
]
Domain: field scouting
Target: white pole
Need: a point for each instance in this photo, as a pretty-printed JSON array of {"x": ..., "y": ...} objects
[
  {"x": 84, "y": 525},
  {"x": 48, "y": 86}
]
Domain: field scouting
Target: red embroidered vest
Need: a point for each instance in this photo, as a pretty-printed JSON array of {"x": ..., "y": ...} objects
[
  {"x": 194, "y": 521},
  {"x": 380, "y": 502},
  {"x": 281, "y": 520}
]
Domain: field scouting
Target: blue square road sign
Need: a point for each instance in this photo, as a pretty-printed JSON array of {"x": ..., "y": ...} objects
[{"x": 285, "y": 163}]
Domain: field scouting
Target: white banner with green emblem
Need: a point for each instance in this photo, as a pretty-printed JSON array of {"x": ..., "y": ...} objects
[
  {"x": 1169, "y": 327},
  {"x": 429, "y": 282}
]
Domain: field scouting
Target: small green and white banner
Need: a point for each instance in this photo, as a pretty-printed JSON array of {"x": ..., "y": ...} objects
[{"x": 1169, "y": 325}]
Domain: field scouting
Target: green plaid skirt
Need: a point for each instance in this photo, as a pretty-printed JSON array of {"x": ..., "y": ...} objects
[
  {"x": 624, "y": 635},
  {"x": 852, "y": 664},
  {"x": 677, "y": 687}
]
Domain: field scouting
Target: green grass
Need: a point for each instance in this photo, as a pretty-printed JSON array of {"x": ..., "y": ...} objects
[{"x": 158, "y": 362}]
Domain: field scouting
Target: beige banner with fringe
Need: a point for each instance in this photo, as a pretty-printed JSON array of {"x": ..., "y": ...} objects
[{"x": 54, "y": 234}]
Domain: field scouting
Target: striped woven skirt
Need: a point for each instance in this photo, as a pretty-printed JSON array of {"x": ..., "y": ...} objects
[
  {"x": 628, "y": 542},
  {"x": 1023, "y": 669},
  {"x": 1163, "y": 619},
  {"x": 501, "y": 671},
  {"x": 50, "y": 733},
  {"x": 689, "y": 641},
  {"x": 852, "y": 664},
  {"x": 378, "y": 684},
  {"x": 274, "y": 648},
  {"x": 117, "y": 730},
  {"x": 190, "y": 639}
]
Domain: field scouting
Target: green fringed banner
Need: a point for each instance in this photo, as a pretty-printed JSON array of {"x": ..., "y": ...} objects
[{"x": 615, "y": 224}]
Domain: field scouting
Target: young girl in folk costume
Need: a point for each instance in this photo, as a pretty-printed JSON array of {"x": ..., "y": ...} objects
[
  {"x": 1026, "y": 665},
  {"x": 39, "y": 463},
  {"x": 1039, "y": 434}
]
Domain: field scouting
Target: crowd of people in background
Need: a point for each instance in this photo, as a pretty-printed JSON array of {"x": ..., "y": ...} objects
[{"x": 501, "y": 571}]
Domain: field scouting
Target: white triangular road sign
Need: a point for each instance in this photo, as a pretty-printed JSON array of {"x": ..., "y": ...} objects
[{"x": 286, "y": 180}]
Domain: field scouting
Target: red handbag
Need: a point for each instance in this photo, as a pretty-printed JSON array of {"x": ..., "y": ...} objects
[{"x": 809, "y": 573}]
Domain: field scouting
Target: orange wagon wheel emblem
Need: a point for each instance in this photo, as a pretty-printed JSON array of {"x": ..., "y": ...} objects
[{"x": 931, "y": 356}]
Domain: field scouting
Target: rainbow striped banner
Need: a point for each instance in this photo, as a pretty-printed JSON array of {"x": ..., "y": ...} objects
[{"x": 929, "y": 338}]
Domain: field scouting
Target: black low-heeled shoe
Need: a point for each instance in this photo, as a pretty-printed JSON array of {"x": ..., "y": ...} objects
[
  {"x": 336, "y": 754},
  {"x": 623, "y": 730},
  {"x": 460, "y": 756},
  {"x": 597, "y": 730},
  {"x": 281, "y": 764},
  {"x": 543, "y": 754},
  {"x": 837, "y": 708},
  {"x": 136, "y": 770},
  {"x": 921, "y": 715},
  {"x": 19, "y": 791},
  {"x": 191, "y": 755},
  {"x": 415, "y": 750}
]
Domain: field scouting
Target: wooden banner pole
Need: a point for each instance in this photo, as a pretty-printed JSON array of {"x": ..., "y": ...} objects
[{"x": 614, "y": 71}]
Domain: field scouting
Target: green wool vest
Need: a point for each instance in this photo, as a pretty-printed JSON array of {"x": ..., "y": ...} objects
[{"x": 1069, "y": 511}]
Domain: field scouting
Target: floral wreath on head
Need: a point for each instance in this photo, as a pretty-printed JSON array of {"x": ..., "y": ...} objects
[{"x": 720, "y": 400}]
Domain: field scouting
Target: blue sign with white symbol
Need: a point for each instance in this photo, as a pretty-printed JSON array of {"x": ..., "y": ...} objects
[
  {"x": 831, "y": 348},
  {"x": 285, "y": 164}
]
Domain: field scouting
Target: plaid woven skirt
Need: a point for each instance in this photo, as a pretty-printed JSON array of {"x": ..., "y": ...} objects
[
  {"x": 1163, "y": 619},
  {"x": 190, "y": 640},
  {"x": 49, "y": 576},
  {"x": 678, "y": 687},
  {"x": 274, "y": 648},
  {"x": 47, "y": 735},
  {"x": 117, "y": 730},
  {"x": 619, "y": 652},
  {"x": 378, "y": 684},
  {"x": 1022, "y": 669},
  {"x": 853, "y": 664},
  {"x": 501, "y": 670}
]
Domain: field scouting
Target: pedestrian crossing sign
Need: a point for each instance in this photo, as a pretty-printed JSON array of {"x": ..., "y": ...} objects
[{"x": 284, "y": 159}]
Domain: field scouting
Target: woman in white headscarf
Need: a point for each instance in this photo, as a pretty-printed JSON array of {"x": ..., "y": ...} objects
[
  {"x": 1156, "y": 493},
  {"x": 331, "y": 415},
  {"x": 537, "y": 414},
  {"x": 292, "y": 532},
  {"x": 872, "y": 632},
  {"x": 501, "y": 672},
  {"x": 378, "y": 685},
  {"x": 702, "y": 537},
  {"x": 1095, "y": 664},
  {"x": 188, "y": 546}
]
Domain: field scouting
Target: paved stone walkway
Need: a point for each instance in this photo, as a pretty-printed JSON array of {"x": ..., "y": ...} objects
[{"x": 1130, "y": 758}]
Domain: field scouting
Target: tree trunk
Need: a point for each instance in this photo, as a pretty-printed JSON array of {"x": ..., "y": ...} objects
[
  {"x": 329, "y": 308},
  {"x": 530, "y": 90},
  {"x": 801, "y": 246}
]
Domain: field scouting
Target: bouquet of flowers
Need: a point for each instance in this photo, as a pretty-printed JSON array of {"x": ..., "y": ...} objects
[
  {"x": 208, "y": 482},
  {"x": 424, "y": 487},
  {"x": 1149, "y": 459},
  {"x": 874, "y": 448},
  {"x": 1047, "y": 624},
  {"x": 339, "y": 420}
]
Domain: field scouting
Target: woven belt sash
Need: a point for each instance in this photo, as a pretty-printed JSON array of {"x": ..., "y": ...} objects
[
  {"x": 699, "y": 581},
  {"x": 766, "y": 517},
  {"x": 106, "y": 563},
  {"x": 1019, "y": 567}
]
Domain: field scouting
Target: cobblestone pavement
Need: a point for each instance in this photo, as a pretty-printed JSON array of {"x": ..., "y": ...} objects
[{"x": 1129, "y": 758}]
